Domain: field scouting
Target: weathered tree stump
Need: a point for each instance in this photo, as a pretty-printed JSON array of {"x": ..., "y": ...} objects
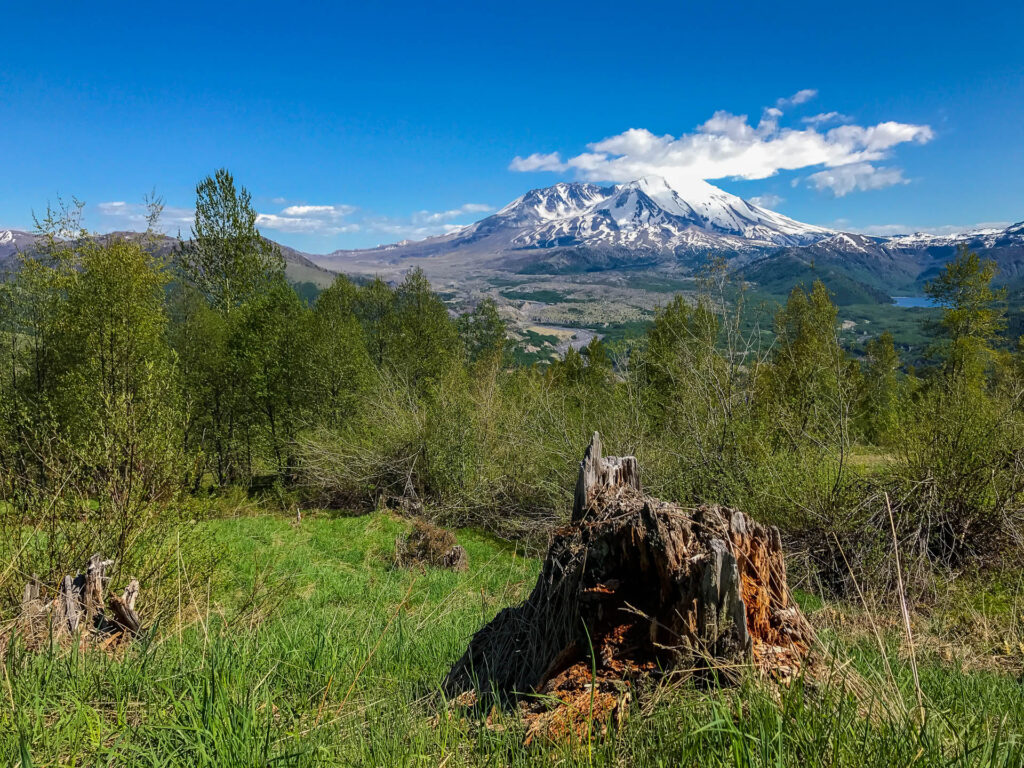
[
  {"x": 636, "y": 586},
  {"x": 78, "y": 608}
]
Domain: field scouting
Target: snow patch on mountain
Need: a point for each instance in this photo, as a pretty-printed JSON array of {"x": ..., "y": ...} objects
[{"x": 986, "y": 237}]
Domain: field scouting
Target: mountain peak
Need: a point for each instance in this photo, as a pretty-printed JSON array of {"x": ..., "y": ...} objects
[{"x": 650, "y": 215}]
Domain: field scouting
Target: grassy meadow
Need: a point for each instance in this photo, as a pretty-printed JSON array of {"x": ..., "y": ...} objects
[{"x": 308, "y": 647}]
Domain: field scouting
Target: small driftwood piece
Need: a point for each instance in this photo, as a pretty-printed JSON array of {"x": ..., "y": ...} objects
[
  {"x": 651, "y": 587},
  {"x": 34, "y": 610},
  {"x": 70, "y": 605},
  {"x": 78, "y": 608},
  {"x": 123, "y": 609}
]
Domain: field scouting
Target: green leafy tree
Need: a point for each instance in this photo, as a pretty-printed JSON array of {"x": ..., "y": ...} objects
[
  {"x": 265, "y": 345},
  {"x": 973, "y": 314},
  {"x": 119, "y": 393},
  {"x": 233, "y": 312},
  {"x": 809, "y": 377},
  {"x": 959, "y": 440},
  {"x": 482, "y": 331},
  {"x": 880, "y": 394},
  {"x": 335, "y": 365},
  {"x": 200, "y": 336},
  {"x": 374, "y": 305},
  {"x": 571, "y": 369},
  {"x": 600, "y": 371},
  {"x": 93, "y": 404},
  {"x": 227, "y": 259},
  {"x": 422, "y": 343},
  {"x": 697, "y": 372},
  {"x": 808, "y": 394},
  {"x": 681, "y": 340}
]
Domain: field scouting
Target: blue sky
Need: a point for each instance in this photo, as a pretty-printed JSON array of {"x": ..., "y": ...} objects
[{"x": 359, "y": 124}]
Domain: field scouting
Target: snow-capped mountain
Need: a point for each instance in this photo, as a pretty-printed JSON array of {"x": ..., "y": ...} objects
[
  {"x": 12, "y": 241},
  {"x": 649, "y": 224},
  {"x": 647, "y": 218},
  {"x": 650, "y": 214}
]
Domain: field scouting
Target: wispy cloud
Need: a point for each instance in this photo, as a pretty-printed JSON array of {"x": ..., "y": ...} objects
[
  {"x": 845, "y": 179},
  {"x": 824, "y": 118},
  {"x": 330, "y": 211},
  {"x": 436, "y": 217},
  {"x": 312, "y": 225},
  {"x": 310, "y": 219},
  {"x": 330, "y": 220},
  {"x": 538, "y": 161},
  {"x": 118, "y": 214},
  {"x": 767, "y": 201},
  {"x": 731, "y": 146},
  {"x": 305, "y": 219},
  {"x": 800, "y": 97}
]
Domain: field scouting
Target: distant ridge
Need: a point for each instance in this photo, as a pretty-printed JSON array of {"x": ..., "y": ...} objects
[
  {"x": 299, "y": 267},
  {"x": 647, "y": 224}
]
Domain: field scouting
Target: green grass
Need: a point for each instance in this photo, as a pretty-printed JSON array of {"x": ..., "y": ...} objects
[{"x": 314, "y": 650}]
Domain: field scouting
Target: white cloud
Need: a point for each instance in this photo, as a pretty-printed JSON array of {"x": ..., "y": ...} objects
[
  {"x": 826, "y": 117},
  {"x": 410, "y": 229},
  {"x": 730, "y": 146},
  {"x": 845, "y": 179},
  {"x": 800, "y": 97},
  {"x": 310, "y": 219},
  {"x": 538, "y": 162},
  {"x": 338, "y": 219},
  {"x": 766, "y": 201},
  {"x": 434, "y": 217},
  {"x": 427, "y": 223},
  {"x": 304, "y": 218},
  {"x": 317, "y": 225},
  {"x": 330, "y": 211},
  {"x": 118, "y": 214}
]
